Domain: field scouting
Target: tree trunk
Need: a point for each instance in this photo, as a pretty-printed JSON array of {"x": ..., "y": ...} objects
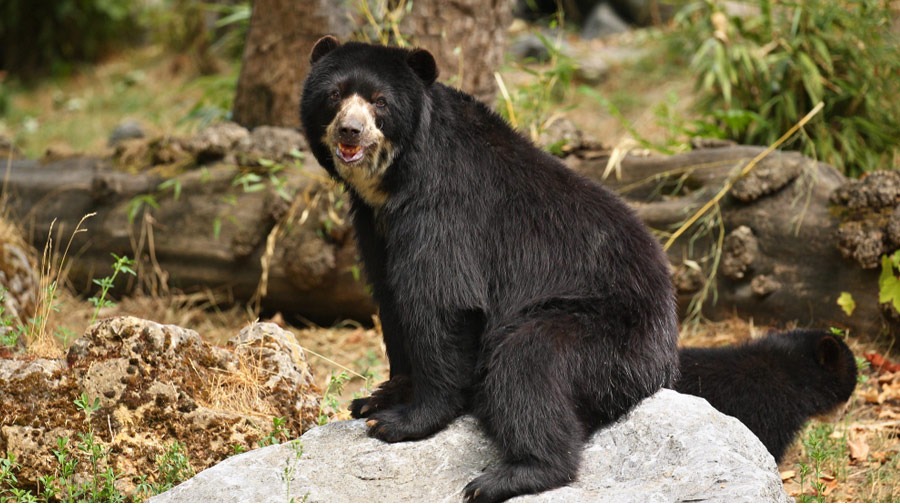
[
  {"x": 467, "y": 38},
  {"x": 276, "y": 58}
]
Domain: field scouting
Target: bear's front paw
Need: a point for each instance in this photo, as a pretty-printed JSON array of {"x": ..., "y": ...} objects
[
  {"x": 395, "y": 391},
  {"x": 398, "y": 424},
  {"x": 361, "y": 408}
]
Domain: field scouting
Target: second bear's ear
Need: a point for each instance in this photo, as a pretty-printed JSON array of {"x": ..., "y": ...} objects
[
  {"x": 323, "y": 46},
  {"x": 828, "y": 353},
  {"x": 422, "y": 63}
]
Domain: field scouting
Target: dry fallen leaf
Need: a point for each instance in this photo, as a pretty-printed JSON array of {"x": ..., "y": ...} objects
[
  {"x": 830, "y": 484},
  {"x": 880, "y": 363},
  {"x": 787, "y": 475},
  {"x": 880, "y": 457},
  {"x": 858, "y": 445}
]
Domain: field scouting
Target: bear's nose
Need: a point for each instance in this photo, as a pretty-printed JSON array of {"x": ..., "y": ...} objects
[{"x": 350, "y": 128}]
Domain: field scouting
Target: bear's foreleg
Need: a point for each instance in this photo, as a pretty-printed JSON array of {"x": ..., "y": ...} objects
[{"x": 442, "y": 347}]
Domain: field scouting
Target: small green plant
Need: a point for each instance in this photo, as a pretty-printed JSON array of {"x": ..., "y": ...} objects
[
  {"x": 823, "y": 452},
  {"x": 84, "y": 404},
  {"x": 9, "y": 484},
  {"x": 174, "y": 184},
  {"x": 278, "y": 433},
  {"x": 254, "y": 182},
  {"x": 847, "y": 303},
  {"x": 11, "y": 330},
  {"x": 888, "y": 282},
  {"x": 121, "y": 265},
  {"x": 528, "y": 107},
  {"x": 137, "y": 204},
  {"x": 758, "y": 75},
  {"x": 329, "y": 404},
  {"x": 290, "y": 465},
  {"x": 95, "y": 484},
  {"x": 382, "y": 21},
  {"x": 174, "y": 466}
]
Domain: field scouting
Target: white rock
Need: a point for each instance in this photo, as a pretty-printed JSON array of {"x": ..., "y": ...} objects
[{"x": 672, "y": 447}]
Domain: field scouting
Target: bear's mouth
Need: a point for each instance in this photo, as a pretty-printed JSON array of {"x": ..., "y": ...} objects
[{"x": 350, "y": 153}]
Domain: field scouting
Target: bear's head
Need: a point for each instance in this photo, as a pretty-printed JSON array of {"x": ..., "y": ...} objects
[{"x": 361, "y": 109}]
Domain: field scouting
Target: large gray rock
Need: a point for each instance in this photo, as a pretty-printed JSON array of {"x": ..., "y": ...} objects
[{"x": 672, "y": 447}]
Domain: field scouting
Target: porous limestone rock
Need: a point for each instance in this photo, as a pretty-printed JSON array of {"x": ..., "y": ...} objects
[{"x": 154, "y": 385}]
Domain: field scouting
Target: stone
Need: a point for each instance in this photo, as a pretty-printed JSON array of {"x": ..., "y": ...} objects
[
  {"x": 671, "y": 448},
  {"x": 603, "y": 21},
  {"x": 154, "y": 384},
  {"x": 215, "y": 142},
  {"x": 272, "y": 143},
  {"x": 128, "y": 129},
  {"x": 561, "y": 136},
  {"x": 19, "y": 281}
]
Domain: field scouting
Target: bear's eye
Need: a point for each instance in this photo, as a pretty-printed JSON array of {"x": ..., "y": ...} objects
[
  {"x": 380, "y": 102},
  {"x": 335, "y": 96}
]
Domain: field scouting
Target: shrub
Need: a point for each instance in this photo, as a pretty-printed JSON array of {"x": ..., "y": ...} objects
[
  {"x": 41, "y": 35},
  {"x": 758, "y": 75}
]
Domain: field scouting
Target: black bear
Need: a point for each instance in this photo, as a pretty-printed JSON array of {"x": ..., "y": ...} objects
[
  {"x": 508, "y": 285},
  {"x": 773, "y": 385}
]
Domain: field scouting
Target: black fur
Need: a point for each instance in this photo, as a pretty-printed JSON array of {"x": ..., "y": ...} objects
[
  {"x": 773, "y": 385},
  {"x": 508, "y": 285}
]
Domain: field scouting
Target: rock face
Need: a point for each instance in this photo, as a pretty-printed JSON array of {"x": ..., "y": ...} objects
[
  {"x": 19, "y": 282},
  {"x": 154, "y": 384},
  {"x": 670, "y": 448}
]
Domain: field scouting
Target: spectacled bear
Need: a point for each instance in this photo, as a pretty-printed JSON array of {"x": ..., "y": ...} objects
[
  {"x": 508, "y": 285},
  {"x": 773, "y": 385}
]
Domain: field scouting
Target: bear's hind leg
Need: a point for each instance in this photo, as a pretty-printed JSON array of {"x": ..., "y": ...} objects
[{"x": 527, "y": 403}]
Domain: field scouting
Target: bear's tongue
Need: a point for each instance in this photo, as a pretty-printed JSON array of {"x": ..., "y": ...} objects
[{"x": 349, "y": 153}]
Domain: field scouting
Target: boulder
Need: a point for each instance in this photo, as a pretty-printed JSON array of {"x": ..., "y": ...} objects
[
  {"x": 671, "y": 448},
  {"x": 149, "y": 385},
  {"x": 19, "y": 285}
]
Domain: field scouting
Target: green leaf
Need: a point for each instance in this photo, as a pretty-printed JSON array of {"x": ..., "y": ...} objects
[
  {"x": 174, "y": 184},
  {"x": 888, "y": 284},
  {"x": 846, "y": 302},
  {"x": 217, "y": 228}
]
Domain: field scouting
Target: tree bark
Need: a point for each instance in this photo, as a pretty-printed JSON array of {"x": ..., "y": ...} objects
[
  {"x": 214, "y": 237},
  {"x": 467, "y": 38},
  {"x": 779, "y": 262},
  {"x": 276, "y": 58}
]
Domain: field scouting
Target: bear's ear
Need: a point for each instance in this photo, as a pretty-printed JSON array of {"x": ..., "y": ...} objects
[
  {"x": 422, "y": 63},
  {"x": 323, "y": 46},
  {"x": 828, "y": 353}
]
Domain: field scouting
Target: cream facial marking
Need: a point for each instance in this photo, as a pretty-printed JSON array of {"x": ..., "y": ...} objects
[{"x": 361, "y": 152}]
